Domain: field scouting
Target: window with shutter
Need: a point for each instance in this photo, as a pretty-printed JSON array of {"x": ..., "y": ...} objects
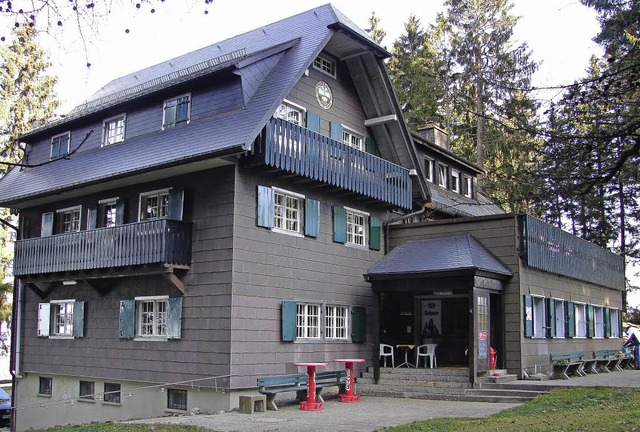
[
  {"x": 528, "y": 316},
  {"x": 151, "y": 318},
  {"x": 61, "y": 319}
]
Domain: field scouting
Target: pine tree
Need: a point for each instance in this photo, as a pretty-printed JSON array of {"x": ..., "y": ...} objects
[{"x": 375, "y": 31}]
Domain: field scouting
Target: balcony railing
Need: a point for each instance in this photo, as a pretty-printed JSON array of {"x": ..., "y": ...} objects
[
  {"x": 157, "y": 241},
  {"x": 301, "y": 151}
]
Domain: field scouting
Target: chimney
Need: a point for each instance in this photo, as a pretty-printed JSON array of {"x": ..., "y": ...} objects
[{"x": 435, "y": 135}]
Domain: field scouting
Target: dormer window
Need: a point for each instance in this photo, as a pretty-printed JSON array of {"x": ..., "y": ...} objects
[
  {"x": 428, "y": 169},
  {"x": 325, "y": 64},
  {"x": 442, "y": 176},
  {"x": 290, "y": 112},
  {"x": 177, "y": 112},
  {"x": 468, "y": 187},
  {"x": 60, "y": 145},
  {"x": 455, "y": 181},
  {"x": 113, "y": 130}
]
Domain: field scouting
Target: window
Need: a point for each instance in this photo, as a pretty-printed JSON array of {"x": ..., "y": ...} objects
[
  {"x": 325, "y": 64},
  {"x": 581, "y": 320},
  {"x": 68, "y": 220},
  {"x": 356, "y": 223},
  {"x": 335, "y": 322},
  {"x": 113, "y": 130},
  {"x": 614, "y": 316},
  {"x": 60, "y": 145},
  {"x": 428, "y": 169},
  {"x": 107, "y": 212},
  {"x": 468, "y": 187},
  {"x": 87, "y": 390},
  {"x": 455, "y": 181},
  {"x": 177, "y": 112},
  {"x": 45, "y": 386},
  {"x": 154, "y": 205},
  {"x": 598, "y": 322},
  {"x": 290, "y": 112},
  {"x": 539, "y": 317},
  {"x": 442, "y": 176},
  {"x": 111, "y": 393},
  {"x": 353, "y": 140},
  {"x": 151, "y": 318},
  {"x": 308, "y": 321},
  {"x": 177, "y": 399},
  {"x": 61, "y": 318},
  {"x": 287, "y": 214},
  {"x": 559, "y": 318}
]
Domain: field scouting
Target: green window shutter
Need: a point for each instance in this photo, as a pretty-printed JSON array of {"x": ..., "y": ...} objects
[
  {"x": 46, "y": 227},
  {"x": 607, "y": 322},
  {"x": 528, "y": 316},
  {"x": 78, "y": 319},
  {"x": 289, "y": 313},
  {"x": 313, "y": 121},
  {"x": 127, "y": 319},
  {"x": 265, "y": 207},
  {"x": 358, "y": 324},
  {"x": 375, "y": 229},
  {"x": 570, "y": 314},
  {"x": 370, "y": 146},
  {"x": 174, "y": 318},
  {"x": 311, "y": 217},
  {"x": 339, "y": 224},
  {"x": 120, "y": 204},
  {"x": 551, "y": 317},
  {"x": 44, "y": 319},
  {"x": 92, "y": 218},
  {"x": 590, "y": 322},
  {"x": 176, "y": 204}
]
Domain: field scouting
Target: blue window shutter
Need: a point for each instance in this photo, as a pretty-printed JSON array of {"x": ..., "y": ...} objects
[
  {"x": 46, "y": 228},
  {"x": 120, "y": 204},
  {"x": 570, "y": 313},
  {"x": 370, "y": 146},
  {"x": 127, "y": 319},
  {"x": 313, "y": 121},
  {"x": 551, "y": 317},
  {"x": 311, "y": 217},
  {"x": 44, "y": 319},
  {"x": 92, "y": 218},
  {"x": 375, "y": 229},
  {"x": 358, "y": 324},
  {"x": 590, "y": 323},
  {"x": 265, "y": 207},
  {"x": 174, "y": 318},
  {"x": 289, "y": 312},
  {"x": 607, "y": 322},
  {"x": 176, "y": 204},
  {"x": 78, "y": 319},
  {"x": 528, "y": 316},
  {"x": 339, "y": 224},
  {"x": 336, "y": 132}
]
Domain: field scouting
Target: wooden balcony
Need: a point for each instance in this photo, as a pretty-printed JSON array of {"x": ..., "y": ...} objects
[
  {"x": 153, "y": 242},
  {"x": 300, "y": 151}
]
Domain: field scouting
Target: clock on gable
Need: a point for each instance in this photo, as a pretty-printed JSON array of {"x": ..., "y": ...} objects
[{"x": 324, "y": 95}]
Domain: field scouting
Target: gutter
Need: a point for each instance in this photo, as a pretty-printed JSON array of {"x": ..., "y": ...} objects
[{"x": 403, "y": 217}]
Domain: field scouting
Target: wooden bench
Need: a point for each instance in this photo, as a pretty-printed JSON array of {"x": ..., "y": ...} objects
[
  {"x": 607, "y": 361},
  {"x": 330, "y": 379},
  {"x": 565, "y": 364},
  {"x": 271, "y": 386},
  {"x": 626, "y": 361}
]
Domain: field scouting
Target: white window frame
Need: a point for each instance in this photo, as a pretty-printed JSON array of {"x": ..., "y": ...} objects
[
  {"x": 442, "y": 171},
  {"x": 67, "y": 332},
  {"x": 539, "y": 317},
  {"x": 287, "y": 108},
  {"x": 353, "y": 139},
  {"x": 158, "y": 317},
  {"x": 159, "y": 207},
  {"x": 284, "y": 222},
  {"x": 119, "y": 124},
  {"x": 455, "y": 181},
  {"x": 615, "y": 315},
  {"x": 580, "y": 314},
  {"x": 353, "y": 224},
  {"x": 336, "y": 322},
  {"x": 559, "y": 318},
  {"x": 429, "y": 171},
  {"x": 68, "y": 135},
  {"x": 308, "y": 320},
  {"x": 598, "y": 325},
  {"x": 74, "y": 224},
  {"x": 325, "y": 64},
  {"x": 175, "y": 99},
  {"x": 468, "y": 186},
  {"x": 108, "y": 219}
]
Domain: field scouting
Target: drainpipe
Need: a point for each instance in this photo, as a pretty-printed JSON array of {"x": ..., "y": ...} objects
[
  {"x": 16, "y": 314},
  {"x": 403, "y": 217}
]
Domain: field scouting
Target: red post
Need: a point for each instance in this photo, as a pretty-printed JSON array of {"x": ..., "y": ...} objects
[{"x": 348, "y": 395}]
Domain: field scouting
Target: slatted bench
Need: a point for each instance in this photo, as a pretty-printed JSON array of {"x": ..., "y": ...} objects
[
  {"x": 330, "y": 379},
  {"x": 569, "y": 363},
  {"x": 607, "y": 361},
  {"x": 271, "y": 386},
  {"x": 626, "y": 361}
]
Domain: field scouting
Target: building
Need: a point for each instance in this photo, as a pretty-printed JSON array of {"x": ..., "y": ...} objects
[{"x": 209, "y": 220}]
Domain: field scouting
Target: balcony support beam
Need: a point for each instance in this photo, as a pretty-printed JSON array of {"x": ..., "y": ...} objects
[
  {"x": 43, "y": 291},
  {"x": 173, "y": 279}
]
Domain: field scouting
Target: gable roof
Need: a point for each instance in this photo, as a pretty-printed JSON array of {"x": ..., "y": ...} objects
[
  {"x": 284, "y": 50},
  {"x": 435, "y": 257}
]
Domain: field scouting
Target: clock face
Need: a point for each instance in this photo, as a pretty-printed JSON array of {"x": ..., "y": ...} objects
[{"x": 324, "y": 95}]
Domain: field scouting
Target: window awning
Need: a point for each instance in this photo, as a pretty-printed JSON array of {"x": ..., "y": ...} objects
[{"x": 437, "y": 257}]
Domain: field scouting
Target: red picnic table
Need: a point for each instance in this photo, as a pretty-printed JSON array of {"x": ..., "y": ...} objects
[
  {"x": 311, "y": 404},
  {"x": 348, "y": 395}
]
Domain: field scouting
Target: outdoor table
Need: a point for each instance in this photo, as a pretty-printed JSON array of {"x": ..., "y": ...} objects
[
  {"x": 406, "y": 348},
  {"x": 311, "y": 404},
  {"x": 348, "y": 395}
]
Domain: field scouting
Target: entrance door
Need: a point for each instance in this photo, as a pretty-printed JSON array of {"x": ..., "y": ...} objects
[{"x": 482, "y": 330}]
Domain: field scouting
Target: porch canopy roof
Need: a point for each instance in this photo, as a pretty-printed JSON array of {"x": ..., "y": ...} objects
[{"x": 450, "y": 256}]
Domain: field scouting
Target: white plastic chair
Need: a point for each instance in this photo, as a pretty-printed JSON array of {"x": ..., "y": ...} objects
[
  {"x": 427, "y": 350},
  {"x": 387, "y": 351}
]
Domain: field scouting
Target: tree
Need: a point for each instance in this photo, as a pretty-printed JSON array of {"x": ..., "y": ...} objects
[
  {"x": 27, "y": 98},
  {"x": 375, "y": 31}
]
